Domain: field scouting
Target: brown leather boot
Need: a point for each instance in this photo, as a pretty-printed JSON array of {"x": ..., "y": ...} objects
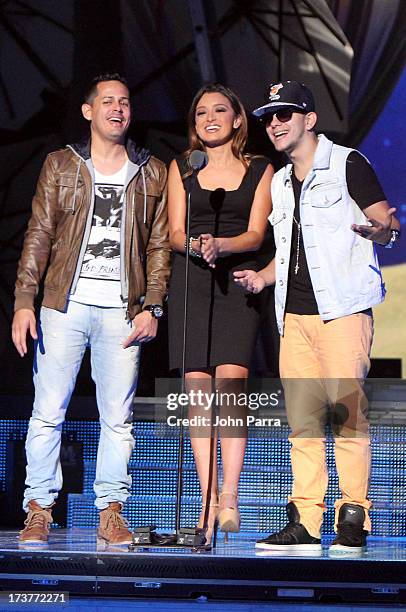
[
  {"x": 37, "y": 524},
  {"x": 113, "y": 528}
]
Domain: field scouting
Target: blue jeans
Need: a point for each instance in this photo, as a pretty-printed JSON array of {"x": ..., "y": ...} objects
[{"x": 62, "y": 341}]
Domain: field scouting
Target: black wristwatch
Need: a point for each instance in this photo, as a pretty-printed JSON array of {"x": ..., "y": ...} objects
[{"x": 156, "y": 310}]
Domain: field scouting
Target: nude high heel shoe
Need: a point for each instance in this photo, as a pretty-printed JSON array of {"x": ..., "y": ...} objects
[{"x": 229, "y": 517}]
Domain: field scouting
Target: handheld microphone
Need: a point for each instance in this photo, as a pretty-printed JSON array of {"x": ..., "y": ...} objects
[{"x": 198, "y": 160}]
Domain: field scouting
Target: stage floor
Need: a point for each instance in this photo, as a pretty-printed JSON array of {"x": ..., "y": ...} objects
[
  {"x": 72, "y": 562},
  {"x": 84, "y": 541}
]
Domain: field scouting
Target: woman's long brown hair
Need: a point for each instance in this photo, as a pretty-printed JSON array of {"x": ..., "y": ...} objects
[{"x": 240, "y": 135}]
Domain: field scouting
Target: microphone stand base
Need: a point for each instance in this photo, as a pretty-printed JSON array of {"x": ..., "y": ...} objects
[
  {"x": 147, "y": 537},
  {"x": 186, "y": 536}
]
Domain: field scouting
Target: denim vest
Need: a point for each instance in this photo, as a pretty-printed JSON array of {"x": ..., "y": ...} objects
[{"x": 343, "y": 266}]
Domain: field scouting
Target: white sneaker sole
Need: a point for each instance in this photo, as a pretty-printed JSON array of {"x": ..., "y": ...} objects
[
  {"x": 307, "y": 554},
  {"x": 264, "y": 546},
  {"x": 340, "y": 548}
]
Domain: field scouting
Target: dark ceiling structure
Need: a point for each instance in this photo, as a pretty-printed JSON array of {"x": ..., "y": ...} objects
[
  {"x": 350, "y": 52},
  {"x": 50, "y": 50}
]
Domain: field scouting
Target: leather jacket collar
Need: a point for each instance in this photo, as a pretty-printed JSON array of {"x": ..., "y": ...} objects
[{"x": 137, "y": 155}]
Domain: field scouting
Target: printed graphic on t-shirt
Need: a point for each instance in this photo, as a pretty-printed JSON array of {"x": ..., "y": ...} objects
[{"x": 102, "y": 257}]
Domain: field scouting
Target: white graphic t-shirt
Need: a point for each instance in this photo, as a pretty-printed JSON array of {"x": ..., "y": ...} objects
[{"x": 99, "y": 281}]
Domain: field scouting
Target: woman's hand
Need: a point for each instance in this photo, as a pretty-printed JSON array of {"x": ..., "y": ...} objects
[{"x": 210, "y": 249}]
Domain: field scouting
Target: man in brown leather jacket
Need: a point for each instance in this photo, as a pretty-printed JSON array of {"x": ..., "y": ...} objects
[{"x": 99, "y": 222}]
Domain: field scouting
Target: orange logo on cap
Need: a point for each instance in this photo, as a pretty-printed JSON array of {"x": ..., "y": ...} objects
[{"x": 274, "y": 91}]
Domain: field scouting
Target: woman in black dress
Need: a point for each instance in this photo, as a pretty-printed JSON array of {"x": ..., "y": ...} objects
[{"x": 230, "y": 203}]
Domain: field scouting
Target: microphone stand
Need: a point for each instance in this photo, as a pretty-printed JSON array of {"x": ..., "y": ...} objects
[
  {"x": 185, "y": 536},
  {"x": 180, "y": 537}
]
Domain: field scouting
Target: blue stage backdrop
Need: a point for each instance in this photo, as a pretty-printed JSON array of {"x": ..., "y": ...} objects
[
  {"x": 265, "y": 483},
  {"x": 385, "y": 148}
]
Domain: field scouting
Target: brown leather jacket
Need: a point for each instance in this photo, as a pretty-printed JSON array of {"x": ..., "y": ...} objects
[{"x": 58, "y": 230}]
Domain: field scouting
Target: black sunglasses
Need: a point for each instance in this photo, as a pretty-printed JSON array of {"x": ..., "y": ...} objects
[{"x": 284, "y": 115}]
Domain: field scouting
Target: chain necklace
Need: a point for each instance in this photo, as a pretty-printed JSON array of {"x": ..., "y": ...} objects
[{"x": 298, "y": 243}]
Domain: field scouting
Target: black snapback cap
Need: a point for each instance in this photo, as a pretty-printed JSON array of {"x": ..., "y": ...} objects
[{"x": 286, "y": 94}]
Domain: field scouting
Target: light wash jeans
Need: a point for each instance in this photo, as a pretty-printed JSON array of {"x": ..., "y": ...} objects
[{"x": 62, "y": 341}]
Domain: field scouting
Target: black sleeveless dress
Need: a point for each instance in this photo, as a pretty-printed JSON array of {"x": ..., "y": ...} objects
[{"x": 222, "y": 318}]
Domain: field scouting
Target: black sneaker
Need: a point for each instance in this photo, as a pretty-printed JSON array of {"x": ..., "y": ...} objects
[
  {"x": 351, "y": 535},
  {"x": 292, "y": 537}
]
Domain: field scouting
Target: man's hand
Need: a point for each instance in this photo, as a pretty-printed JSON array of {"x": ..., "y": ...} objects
[
  {"x": 24, "y": 320},
  {"x": 378, "y": 231},
  {"x": 250, "y": 280},
  {"x": 145, "y": 327}
]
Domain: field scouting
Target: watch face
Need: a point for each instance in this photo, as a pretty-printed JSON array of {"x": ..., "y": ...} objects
[{"x": 158, "y": 312}]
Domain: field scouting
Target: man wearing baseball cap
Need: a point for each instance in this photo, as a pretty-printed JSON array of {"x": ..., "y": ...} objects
[{"x": 328, "y": 211}]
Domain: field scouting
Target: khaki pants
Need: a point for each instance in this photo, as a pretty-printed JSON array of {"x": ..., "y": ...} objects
[{"x": 325, "y": 364}]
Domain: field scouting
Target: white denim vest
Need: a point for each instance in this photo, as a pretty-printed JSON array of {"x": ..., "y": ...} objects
[{"x": 343, "y": 267}]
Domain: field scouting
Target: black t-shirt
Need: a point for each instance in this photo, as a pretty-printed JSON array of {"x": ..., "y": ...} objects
[{"x": 364, "y": 188}]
